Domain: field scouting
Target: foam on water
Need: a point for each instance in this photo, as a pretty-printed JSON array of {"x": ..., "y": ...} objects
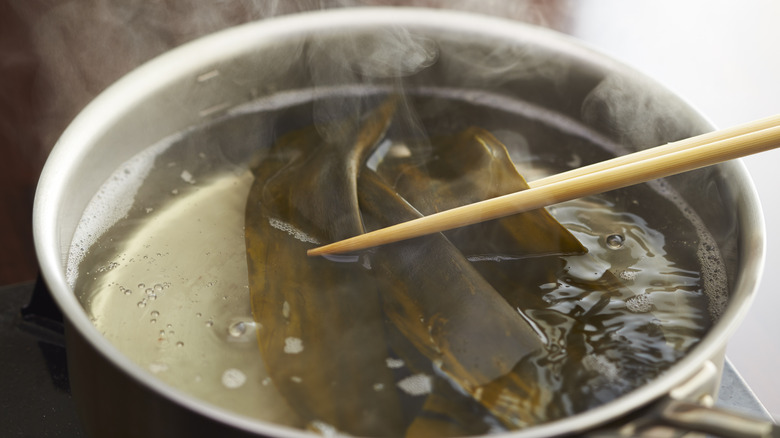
[
  {"x": 394, "y": 363},
  {"x": 233, "y": 378},
  {"x": 112, "y": 202},
  {"x": 713, "y": 270},
  {"x": 417, "y": 384},
  {"x": 291, "y": 230},
  {"x": 293, "y": 345},
  {"x": 639, "y": 303},
  {"x": 324, "y": 429},
  {"x": 187, "y": 177},
  {"x": 157, "y": 367}
]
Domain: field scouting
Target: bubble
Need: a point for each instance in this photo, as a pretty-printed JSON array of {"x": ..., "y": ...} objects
[
  {"x": 112, "y": 203},
  {"x": 141, "y": 304},
  {"x": 324, "y": 429},
  {"x": 417, "y": 384},
  {"x": 292, "y": 231},
  {"x": 158, "y": 367},
  {"x": 187, "y": 177},
  {"x": 713, "y": 275},
  {"x": 627, "y": 275},
  {"x": 394, "y": 363},
  {"x": 603, "y": 366},
  {"x": 233, "y": 378},
  {"x": 713, "y": 269},
  {"x": 209, "y": 323},
  {"x": 639, "y": 303},
  {"x": 293, "y": 345},
  {"x": 615, "y": 241},
  {"x": 141, "y": 285},
  {"x": 158, "y": 287},
  {"x": 237, "y": 329},
  {"x": 155, "y": 314},
  {"x": 180, "y": 344},
  {"x": 108, "y": 267}
]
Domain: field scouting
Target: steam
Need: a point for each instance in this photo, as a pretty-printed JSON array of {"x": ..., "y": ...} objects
[
  {"x": 387, "y": 53},
  {"x": 640, "y": 114},
  {"x": 80, "y": 47},
  {"x": 379, "y": 58},
  {"x": 637, "y": 112}
]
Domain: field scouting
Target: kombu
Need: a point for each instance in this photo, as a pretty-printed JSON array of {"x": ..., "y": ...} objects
[{"x": 329, "y": 326}]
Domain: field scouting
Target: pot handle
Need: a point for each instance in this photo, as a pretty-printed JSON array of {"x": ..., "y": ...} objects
[
  {"x": 671, "y": 418},
  {"x": 676, "y": 415},
  {"x": 716, "y": 421}
]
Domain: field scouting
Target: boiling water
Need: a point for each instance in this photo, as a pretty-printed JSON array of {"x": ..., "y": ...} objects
[{"x": 165, "y": 278}]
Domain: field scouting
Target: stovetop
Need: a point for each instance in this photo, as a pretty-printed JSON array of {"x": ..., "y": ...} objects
[{"x": 35, "y": 397}]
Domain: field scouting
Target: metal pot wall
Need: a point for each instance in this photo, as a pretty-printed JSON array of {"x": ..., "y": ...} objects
[{"x": 203, "y": 80}]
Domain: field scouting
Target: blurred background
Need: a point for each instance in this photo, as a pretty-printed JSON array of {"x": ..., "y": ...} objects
[{"x": 721, "y": 56}]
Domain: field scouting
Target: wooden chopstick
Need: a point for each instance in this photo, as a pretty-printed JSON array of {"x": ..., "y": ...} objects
[
  {"x": 659, "y": 162},
  {"x": 699, "y": 140}
]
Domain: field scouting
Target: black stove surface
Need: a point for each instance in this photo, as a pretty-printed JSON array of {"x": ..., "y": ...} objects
[{"x": 35, "y": 398}]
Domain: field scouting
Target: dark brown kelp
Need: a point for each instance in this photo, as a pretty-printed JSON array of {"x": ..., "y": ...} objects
[
  {"x": 320, "y": 327},
  {"x": 465, "y": 310},
  {"x": 449, "y": 312},
  {"x": 473, "y": 166},
  {"x": 320, "y": 324},
  {"x": 449, "y": 413}
]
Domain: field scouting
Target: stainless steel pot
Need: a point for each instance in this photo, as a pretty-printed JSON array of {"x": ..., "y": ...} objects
[{"x": 204, "y": 79}]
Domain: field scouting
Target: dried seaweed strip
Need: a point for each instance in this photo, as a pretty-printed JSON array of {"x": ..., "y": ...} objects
[
  {"x": 447, "y": 310},
  {"x": 320, "y": 327},
  {"x": 468, "y": 167},
  {"x": 448, "y": 413},
  {"x": 474, "y": 165},
  {"x": 486, "y": 162}
]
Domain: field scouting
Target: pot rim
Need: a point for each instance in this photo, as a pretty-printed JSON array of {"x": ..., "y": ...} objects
[{"x": 111, "y": 104}]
